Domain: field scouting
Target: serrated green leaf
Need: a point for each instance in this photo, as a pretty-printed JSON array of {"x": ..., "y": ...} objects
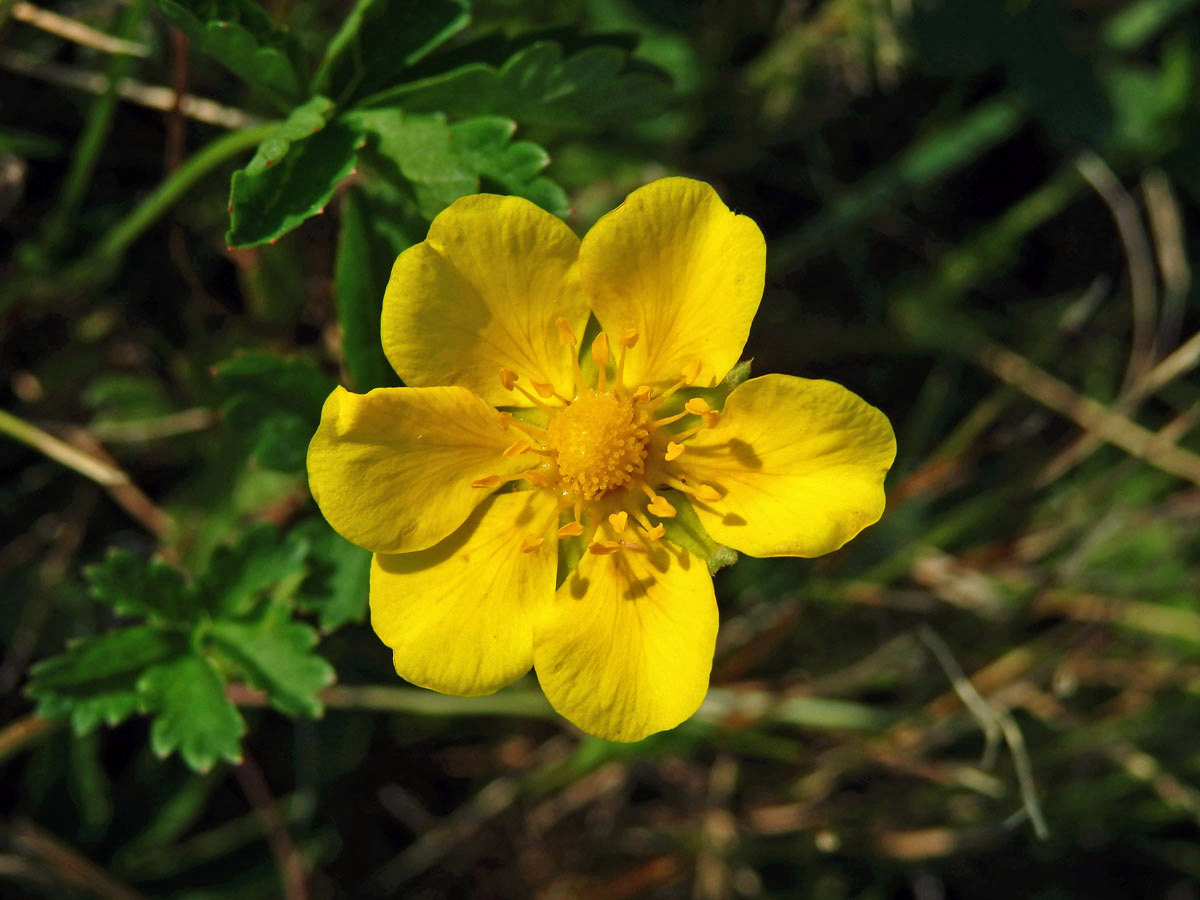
[
  {"x": 440, "y": 163},
  {"x": 684, "y": 529},
  {"x": 485, "y": 144},
  {"x": 95, "y": 680},
  {"x": 379, "y": 39},
  {"x": 275, "y": 404},
  {"x": 274, "y": 653},
  {"x": 293, "y": 175},
  {"x": 136, "y": 587},
  {"x": 359, "y": 279},
  {"x": 338, "y": 579},
  {"x": 192, "y": 714},
  {"x": 237, "y": 576},
  {"x": 593, "y": 88},
  {"x": 240, "y": 36},
  {"x": 416, "y": 150}
]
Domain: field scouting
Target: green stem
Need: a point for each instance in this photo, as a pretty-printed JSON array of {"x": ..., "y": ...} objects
[
  {"x": 83, "y": 463},
  {"x": 57, "y": 227},
  {"x": 174, "y": 186}
]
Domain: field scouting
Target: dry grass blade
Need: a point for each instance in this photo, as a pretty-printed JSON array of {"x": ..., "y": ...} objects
[{"x": 75, "y": 31}]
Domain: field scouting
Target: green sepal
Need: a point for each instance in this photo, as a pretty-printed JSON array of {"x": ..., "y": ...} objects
[
  {"x": 192, "y": 713},
  {"x": 684, "y": 529},
  {"x": 240, "y": 36},
  {"x": 95, "y": 680}
]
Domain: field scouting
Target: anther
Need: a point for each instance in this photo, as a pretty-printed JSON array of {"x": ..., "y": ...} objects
[
  {"x": 711, "y": 418},
  {"x": 674, "y": 451},
  {"x": 697, "y": 406},
  {"x": 600, "y": 357},
  {"x": 618, "y": 521},
  {"x": 515, "y": 449},
  {"x": 531, "y": 542},
  {"x": 629, "y": 339},
  {"x": 661, "y": 508},
  {"x": 566, "y": 336},
  {"x": 601, "y": 548},
  {"x": 570, "y": 530},
  {"x": 642, "y": 394},
  {"x": 487, "y": 481},
  {"x": 544, "y": 389},
  {"x": 656, "y": 533},
  {"x": 691, "y": 371},
  {"x": 508, "y": 378},
  {"x": 702, "y": 492}
]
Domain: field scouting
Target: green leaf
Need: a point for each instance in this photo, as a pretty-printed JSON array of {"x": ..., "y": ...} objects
[
  {"x": 685, "y": 530},
  {"x": 293, "y": 175},
  {"x": 416, "y": 150},
  {"x": 135, "y": 587},
  {"x": 380, "y": 39},
  {"x": 274, "y": 653},
  {"x": 275, "y": 404},
  {"x": 240, "y": 36},
  {"x": 339, "y": 576},
  {"x": 594, "y": 88},
  {"x": 193, "y": 714},
  {"x": 440, "y": 163},
  {"x": 485, "y": 144},
  {"x": 95, "y": 680},
  {"x": 360, "y": 274},
  {"x": 237, "y": 576}
]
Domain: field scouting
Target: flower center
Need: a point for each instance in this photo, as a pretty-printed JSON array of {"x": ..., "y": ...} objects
[{"x": 599, "y": 443}]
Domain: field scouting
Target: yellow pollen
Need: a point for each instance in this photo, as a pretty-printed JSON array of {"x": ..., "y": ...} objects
[
  {"x": 619, "y": 520},
  {"x": 697, "y": 406},
  {"x": 570, "y": 530},
  {"x": 674, "y": 451},
  {"x": 599, "y": 442}
]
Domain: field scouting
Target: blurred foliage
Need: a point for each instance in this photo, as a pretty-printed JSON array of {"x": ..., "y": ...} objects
[{"x": 981, "y": 217}]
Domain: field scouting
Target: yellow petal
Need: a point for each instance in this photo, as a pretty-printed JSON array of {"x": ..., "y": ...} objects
[
  {"x": 626, "y": 648},
  {"x": 392, "y": 469},
  {"x": 673, "y": 264},
  {"x": 459, "y": 616},
  {"x": 798, "y": 464},
  {"x": 483, "y": 292}
]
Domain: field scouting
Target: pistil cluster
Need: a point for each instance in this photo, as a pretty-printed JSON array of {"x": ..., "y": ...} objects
[{"x": 603, "y": 451}]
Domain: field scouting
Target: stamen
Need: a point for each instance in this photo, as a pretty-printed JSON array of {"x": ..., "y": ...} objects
[
  {"x": 566, "y": 337},
  {"x": 697, "y": 406},
  {"x": 487, "y": 481},
  {"x": 692, "y": 371},
  {"x": 642, "y": 394},
  {"x": 658, "y": 506},
  {"x": 656, "y": 533},
  {"x": 531, "y": 542},
  {"x": 626, "y": 342},
  {"x": 536, "y": 477},
  {"x": 570, "y": 530},
  {"x": 508, "y": 378},
  {"x": 702, "y": 492},
  {"x": 601, "y": 548},
  {"x": 516, "y": 449},
  {"x": 532, "y": 430},
  {"x": 711, "y": 418},
  {"x": 532, "y": 399},
  {"x": 619, "y": 520},
  {"x": 631, "y": 545},
  {"x": 674, "y": 451},
  {"x": 667, "y": 420},
  {"x": 600, "y": 357}
]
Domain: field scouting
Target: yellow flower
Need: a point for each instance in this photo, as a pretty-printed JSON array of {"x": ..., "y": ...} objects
[{"x": 489, "y": 311}]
